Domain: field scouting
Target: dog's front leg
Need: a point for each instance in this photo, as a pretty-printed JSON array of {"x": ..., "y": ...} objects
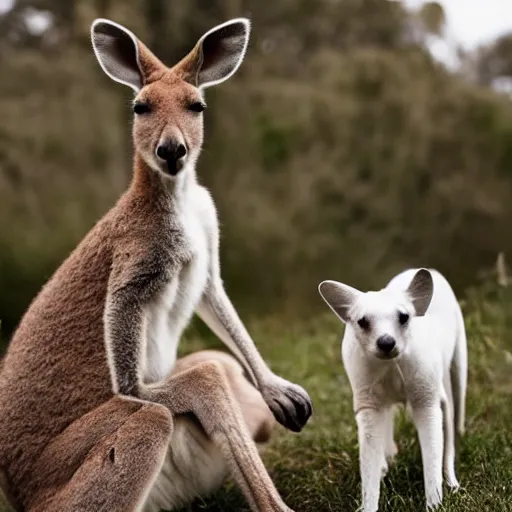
[
  {"x": 371, "y": 428},
  {"x": 429, "y": 423}
]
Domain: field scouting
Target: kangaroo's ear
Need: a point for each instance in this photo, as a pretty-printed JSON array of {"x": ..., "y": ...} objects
[
  {"x": 121, "y": 55},
  {"x": 339, "y": 297},
  {"x": 217, "y": 55},
  {"x": 420, "y": 291}
]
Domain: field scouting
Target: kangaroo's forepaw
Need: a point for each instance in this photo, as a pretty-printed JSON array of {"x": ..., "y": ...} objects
[{"x": 290, "y": 403}]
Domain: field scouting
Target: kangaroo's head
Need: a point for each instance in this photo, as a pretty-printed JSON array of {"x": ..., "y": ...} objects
[{"x": 168, "y": 103}]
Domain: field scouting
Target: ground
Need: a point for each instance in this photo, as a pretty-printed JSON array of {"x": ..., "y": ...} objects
[{"x": 317, "y": 470}]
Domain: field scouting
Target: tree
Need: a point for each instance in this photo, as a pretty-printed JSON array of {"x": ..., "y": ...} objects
[
  {"x": 494, "y": 61},
  {"x": 433, "y": 18}
]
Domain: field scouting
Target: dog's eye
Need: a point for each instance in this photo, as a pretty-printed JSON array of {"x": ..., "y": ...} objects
[
  {"x": 141, "y": 108},
  {"x": 363, "y": 323},
  {"x": 198, "y": 106},
  {"x": 403, "y": 318}
]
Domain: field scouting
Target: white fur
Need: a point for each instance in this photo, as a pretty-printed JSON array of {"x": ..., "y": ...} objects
[
  {"x": 170, "y": 313},
  {"x": 430, "y": 358},
  {"x": 193, "y": 466}
]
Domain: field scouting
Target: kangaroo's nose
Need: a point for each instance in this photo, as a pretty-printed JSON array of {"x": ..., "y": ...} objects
[
  {"x": 386, "y": 343},
  {"x": 172, "y": 153}
]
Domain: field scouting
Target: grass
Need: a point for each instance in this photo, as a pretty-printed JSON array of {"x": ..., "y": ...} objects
[{"x": 317, "y": 470}]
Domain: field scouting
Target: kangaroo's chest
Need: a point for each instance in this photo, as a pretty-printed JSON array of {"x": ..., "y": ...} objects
[{"x": 169, "y": 314}]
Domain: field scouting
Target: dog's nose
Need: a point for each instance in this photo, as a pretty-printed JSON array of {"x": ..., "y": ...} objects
[
  {"x": 386, "y": 343},
  {"x": 171, "y": 151}
]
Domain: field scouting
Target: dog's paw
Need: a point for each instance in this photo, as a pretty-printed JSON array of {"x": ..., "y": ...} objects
[
  {"x": 453, "y": 484},
  {"x": 434, "y": 499}
]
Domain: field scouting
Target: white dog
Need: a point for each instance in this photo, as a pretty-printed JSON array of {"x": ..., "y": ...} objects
[{"x": 405, "y": 344}]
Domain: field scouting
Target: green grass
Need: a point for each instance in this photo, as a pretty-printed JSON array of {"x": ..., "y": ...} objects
[{"x": 317, "y": 470}]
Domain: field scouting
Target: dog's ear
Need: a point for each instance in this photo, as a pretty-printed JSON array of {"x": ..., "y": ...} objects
[
  {"x": 420, "y": 291},
  {"x": 339, "y": 297}
]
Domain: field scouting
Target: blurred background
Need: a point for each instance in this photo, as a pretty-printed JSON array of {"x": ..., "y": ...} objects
[{"x": 358, "y": 138}]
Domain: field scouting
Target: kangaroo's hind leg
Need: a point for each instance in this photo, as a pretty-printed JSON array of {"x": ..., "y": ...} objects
[
  {"x": 106, "y": 461},
  {"x": 256, "y": 414},
  {"x": 195, "y": 466},
  {"x": 204, "y": 391}
]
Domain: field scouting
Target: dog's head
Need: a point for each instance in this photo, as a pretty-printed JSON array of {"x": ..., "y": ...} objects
[{"x": 380, "y": 320}]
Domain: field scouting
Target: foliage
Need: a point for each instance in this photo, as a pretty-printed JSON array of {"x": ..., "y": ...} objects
[
  {"x": 340, "y": 149},
  {"x": 494, "y": 60},
  {"x": 433, "y": 17}
]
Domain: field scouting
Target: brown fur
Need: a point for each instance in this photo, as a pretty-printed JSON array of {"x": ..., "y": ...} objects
[{"x": 66, "y": 441}]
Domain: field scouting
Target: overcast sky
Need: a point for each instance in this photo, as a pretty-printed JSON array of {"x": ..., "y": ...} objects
[
  {"x": 469, "y": 24},
  {"x": 472, "y": 22}
]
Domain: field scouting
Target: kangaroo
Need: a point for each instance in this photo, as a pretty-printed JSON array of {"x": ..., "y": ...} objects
[
  {"x": 97, "y": 412},
  {"x": 405, "y": 344}
]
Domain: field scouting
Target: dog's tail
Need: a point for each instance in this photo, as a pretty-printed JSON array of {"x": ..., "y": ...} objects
[{"x": 459, "y": 375}]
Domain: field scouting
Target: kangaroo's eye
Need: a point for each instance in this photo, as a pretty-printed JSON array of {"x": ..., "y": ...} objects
[
  {"x": 403, "y": 318},
  {"x": 141, "y": 108},
  {"x": 363, "y": 323},
  {"x": 198, "y": 106}
]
